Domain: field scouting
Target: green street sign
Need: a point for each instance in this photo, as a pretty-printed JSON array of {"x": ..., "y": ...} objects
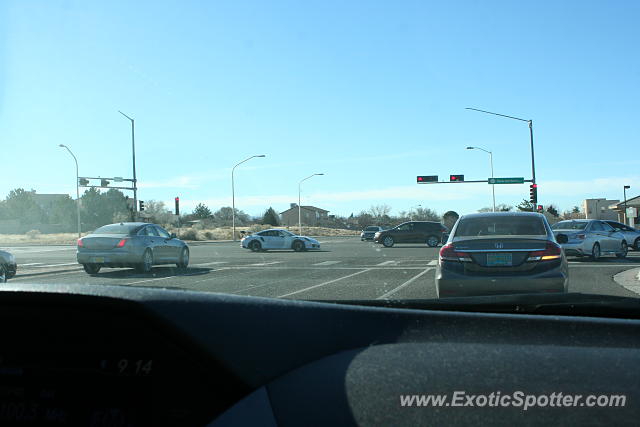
[{"x": 505, "y": 180}]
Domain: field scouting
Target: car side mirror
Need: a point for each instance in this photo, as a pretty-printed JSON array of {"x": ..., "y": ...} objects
[
  {"x": 174, "y": 235},
  {"x": 562, "y": 238}
]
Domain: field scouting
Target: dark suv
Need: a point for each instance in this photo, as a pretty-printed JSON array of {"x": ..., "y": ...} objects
[{"x": 428, "y": 232}]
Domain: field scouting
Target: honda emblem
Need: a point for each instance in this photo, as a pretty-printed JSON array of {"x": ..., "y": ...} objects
[{"x": 499, "y": 245}]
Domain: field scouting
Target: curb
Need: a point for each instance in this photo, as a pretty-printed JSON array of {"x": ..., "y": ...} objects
[
  {"x": 41, "y": 273},
  {"x": 629, "y": 279}
]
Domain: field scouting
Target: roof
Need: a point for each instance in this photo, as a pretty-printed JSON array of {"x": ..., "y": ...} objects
[
  {"x": 488, "y": 214},
  {"x": 308, "y": 208},
  {"x": 631, "y": 201}
]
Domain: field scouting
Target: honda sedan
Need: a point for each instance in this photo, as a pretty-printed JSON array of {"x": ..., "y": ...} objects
[
  {"x": 501, "y": 253},
  {"x": 131, "y": 244}
]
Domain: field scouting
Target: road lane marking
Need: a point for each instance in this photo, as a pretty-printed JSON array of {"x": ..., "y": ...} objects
[
  {"x": 388, "y": 263},
  {"x": 604, "y": 265},
  {"x": 169, "y": 277},
  {"x": 326, "y": 263},
  {"x": 211, "y": 263},
  {"x": 56, "y": 265},
  {"x": 324, "y": 283},
  {"x": 433, "y": 262},
  {"x": 405, "y": 284},
  {"x": 267, "y": 263},
  {"x": 29, "y": 263}
]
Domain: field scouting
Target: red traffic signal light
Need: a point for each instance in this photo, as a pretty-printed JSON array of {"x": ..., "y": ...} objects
[
  {"x": 456, "y": 178},
  {"x": 540, "y": 208},
  {"x": 427, "y": 178},
  {"x": 177, "y": 205},
  {"x": 533, "y": 194}
]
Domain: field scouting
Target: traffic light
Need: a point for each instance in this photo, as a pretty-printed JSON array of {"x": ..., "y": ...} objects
[
  {"x": 83, "y": 181},
  {"x": 540, "y": 208},
  {"x": 177, "y": 205},
  {"x": 141, "y": 205},
  {"x": 427, "y": 178},
  {"x": 456, "y": 178},
  {"x": 533, "y": 194},
  {"x": 104, "y": 182}
]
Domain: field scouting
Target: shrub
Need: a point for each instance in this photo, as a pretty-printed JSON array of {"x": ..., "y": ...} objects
[
  {"x": 33, "y": 233},
  {"x": 188, "y": 234}
]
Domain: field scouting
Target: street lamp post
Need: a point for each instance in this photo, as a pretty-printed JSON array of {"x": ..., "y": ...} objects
[
  {"x": 299, "y": 209},
  {"x": 133, "y": 150},
  {"x": 77, "y": 188},
  {"x": 624, "y": 189},
  {"x": 493, "y": 186},
  {"x": 530, "y": 122},
  {"x": 233, "y": 196}
]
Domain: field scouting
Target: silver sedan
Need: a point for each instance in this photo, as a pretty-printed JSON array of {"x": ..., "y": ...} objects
[
  {"x": 590, "y": 237},
  {"x": 631, "y": 235},
  {"x": 131, "y": 244}
]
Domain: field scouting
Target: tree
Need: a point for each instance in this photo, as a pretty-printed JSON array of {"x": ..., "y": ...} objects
[
  {"x": 224, "y": 215},
  {"x": 499, "y": 208},
  {"x": 425, "y": 214},
  {"x": 271, "y": 217},
  {"x": 65, "y": 213},
  {"x": 159, "y": 214},
  {"x": 102, "y": 208},
  {"x": 553, "y": 210},
  {"x": 525, "y": 206},
  {"x": 20, "y": 205},
  {"x": 202, "y": 211},
  {"x": 379, "y": 211},
  {"x": 449, "y": 219}
]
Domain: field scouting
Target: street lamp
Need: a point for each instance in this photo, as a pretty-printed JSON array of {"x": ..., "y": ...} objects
[
  {"x": 133, "y": 150},
  {"x": 533, "y": 163},
  {"x": 493, "y": 186},
  {"x": 625, "y": 202},
  {"x": 299, "y": 210},
  {"x": 233, "y": 196},
  {"x": 77, "y": 188}
]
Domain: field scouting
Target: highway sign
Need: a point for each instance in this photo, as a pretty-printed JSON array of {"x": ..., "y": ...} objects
[{"x": 505, "y": 180}]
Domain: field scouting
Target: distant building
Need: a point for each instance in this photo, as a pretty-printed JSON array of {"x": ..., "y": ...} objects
[
  {"x": 47, "y": 201},
  {"x": 310, "y": 215},
  {"x": 632, "y": 206},
  {"x": 599, "y": 209}
]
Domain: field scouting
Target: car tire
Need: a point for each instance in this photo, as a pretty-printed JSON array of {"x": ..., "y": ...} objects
[
  {"x": 297, "y": 246},
  {"x": 432, "y": 241},
  {"x": 387, "y": 241},
  {"x": 595, "y": 252},
  {"x": 255, "y": 246},
  {"x": 624, "y": 249},
  {"x": 183, "y": 262},
  {"x": 147, "y": 262},
  {"x": 92, "y": 268},
  {"x": 636, "y": 244},
  {"x": 3, "y": 274}
]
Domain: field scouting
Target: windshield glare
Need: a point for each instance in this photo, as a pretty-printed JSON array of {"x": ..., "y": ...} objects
[{"x": 501, "y": 226}]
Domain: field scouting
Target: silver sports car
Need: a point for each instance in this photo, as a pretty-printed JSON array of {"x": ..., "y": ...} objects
[
  {"x": 276, "y": 238},
  {"x": 131, "y": 244}
]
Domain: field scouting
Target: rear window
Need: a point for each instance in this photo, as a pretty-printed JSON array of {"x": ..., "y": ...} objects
[
  {"x": 500, "y": 226},
  {"x": 116, "y": 229},
  {"x": 372, "y": 228},
  {"x": 569, "y": 225}
]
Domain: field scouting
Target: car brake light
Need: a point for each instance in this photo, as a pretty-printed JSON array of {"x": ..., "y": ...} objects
[
  {"x": 80, "y": 243},
  {"x": 121, "y": 243},
  {"x": 448, "y": 253},
  {"x": 551, "y": 252}
]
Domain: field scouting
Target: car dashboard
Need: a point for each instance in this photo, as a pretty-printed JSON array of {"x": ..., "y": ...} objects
[{"x": 126, "y": 356}]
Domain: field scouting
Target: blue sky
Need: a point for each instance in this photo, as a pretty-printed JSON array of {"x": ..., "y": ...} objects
[{"x": 369, "y": 93}]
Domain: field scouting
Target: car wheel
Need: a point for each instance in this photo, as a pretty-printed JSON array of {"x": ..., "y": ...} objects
[
  {"x": 432, "y": 241},
  {"x": 92, "y": 268},
  {"x": 595, "y": 252},
  {"x": 147, "y": 262},
  {"x": 183, "y": 262},
  {"x": 387, "y": 241},
  {"x": 624, "y": 249},
  {"x": 297, "y": 246},
  {"x": 255, "y": 246},
  {"x": 3, "y": 274},
  {"x": 636, "y": 245}
]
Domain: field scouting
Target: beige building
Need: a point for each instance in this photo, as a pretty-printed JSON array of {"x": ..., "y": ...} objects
[
  {"x": 600, "y": 209},
  {"x": 310, "y": 215},
  {"x": 633, "y": 210}
]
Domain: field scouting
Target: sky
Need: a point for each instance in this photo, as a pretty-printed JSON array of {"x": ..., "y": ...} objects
[{"x": 370, "y": 93}]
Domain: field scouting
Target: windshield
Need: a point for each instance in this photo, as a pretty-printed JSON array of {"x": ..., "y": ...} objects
[
  {"x": 570, "y": 225},
  {"x": 266, "y": 139},
  {"x": 501, "y": 226}
]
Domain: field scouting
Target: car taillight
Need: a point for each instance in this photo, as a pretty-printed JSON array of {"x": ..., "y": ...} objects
[
  {"x": 80, "y": 244},
  {"x": 121, "y": 243},
  {"x": 550, "y": 252},
  {"x": 448, "y": 253}
]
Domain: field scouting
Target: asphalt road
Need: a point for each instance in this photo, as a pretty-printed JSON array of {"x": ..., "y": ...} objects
[{"x": 345, "y": 268}]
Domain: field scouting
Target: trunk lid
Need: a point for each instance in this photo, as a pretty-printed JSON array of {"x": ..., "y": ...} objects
[
  {"x": 102, "y": 241},
  {"x": 499, "y": 254}
]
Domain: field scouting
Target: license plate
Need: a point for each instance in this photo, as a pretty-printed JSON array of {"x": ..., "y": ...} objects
[
  {"x": 495, "y": 260},
  {"x": 98, "y": 259}
]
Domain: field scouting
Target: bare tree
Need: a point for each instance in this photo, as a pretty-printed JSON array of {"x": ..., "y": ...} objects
[{"x": 379, "y": 211}]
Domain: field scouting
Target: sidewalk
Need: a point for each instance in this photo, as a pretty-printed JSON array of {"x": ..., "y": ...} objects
[{"x": 629, "y": 279}]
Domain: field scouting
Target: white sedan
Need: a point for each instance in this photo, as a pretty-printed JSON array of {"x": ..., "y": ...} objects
[{"x": 278, "y": 239}]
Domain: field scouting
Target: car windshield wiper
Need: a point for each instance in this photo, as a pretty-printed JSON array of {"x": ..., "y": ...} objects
[{"x": 569, "y": 304}]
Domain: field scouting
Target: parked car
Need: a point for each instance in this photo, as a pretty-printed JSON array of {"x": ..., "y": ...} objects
[
  {"x": 501, "y": 253},
  {"x": 369, "y": 232},
  {"x": 591, "y": 237},
  {"x": 131, "y": 244},
  {"x": 631, "y": 235},
  {"x": 428, "y": 232},
  {"x": 276, "y": 238},
  {"x": 8, "y": 266}
]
